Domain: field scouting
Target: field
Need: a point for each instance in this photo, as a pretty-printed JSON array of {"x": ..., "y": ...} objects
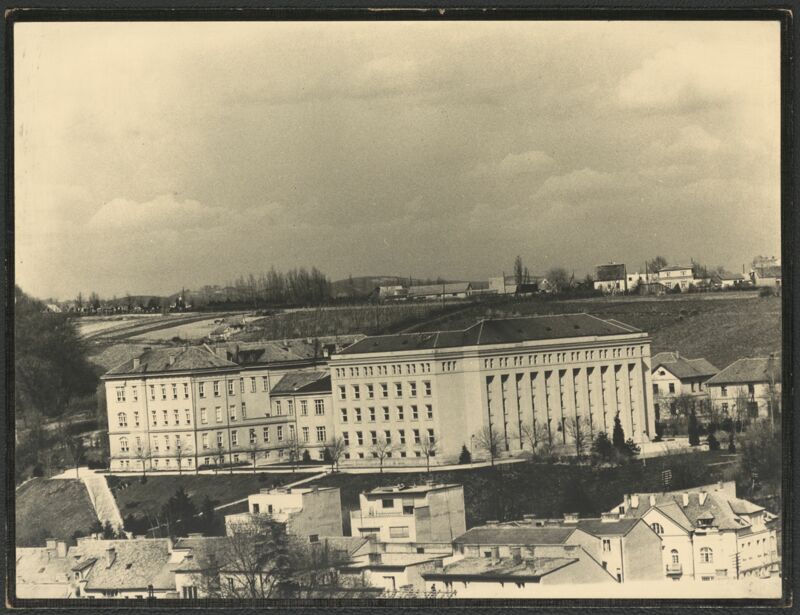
[
  {"x": 147, "y": 326},
  {"x": 720, "y": 327},
  {"x": 147, "y": 499},
  {"x": 55, "y": 508}
]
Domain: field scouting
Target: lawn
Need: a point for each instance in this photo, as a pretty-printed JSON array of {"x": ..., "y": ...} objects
[
  {"x": 720, "y": 327},
  {"x": 143, "y": 499},
  {"x": 548, "y": 490},
  {"x": 51, "y": 508}
]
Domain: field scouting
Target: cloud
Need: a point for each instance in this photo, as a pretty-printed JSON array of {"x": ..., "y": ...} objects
[
  {"x": 515, "y": 165},
  {"x": 161, "y": 213},
  {"x": 587, "y": 183}
]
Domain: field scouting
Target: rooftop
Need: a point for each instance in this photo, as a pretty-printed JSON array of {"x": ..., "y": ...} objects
[
  {"x": 437, "y": 289},
  {"x": 136, "y": 563},
  {"x": 516, "y": 535},
  {"x": 675, "y": 268},
  {"x": 159, "y": 360},
  {"x": 496, "y": 331},
  {"x": 682, "y": 367},
  {"x": 750, "y": 370},
  {"x": 506, "y": 568},
  {"x": 410, "y": 489},
  {"x": 303, "y": 382}
]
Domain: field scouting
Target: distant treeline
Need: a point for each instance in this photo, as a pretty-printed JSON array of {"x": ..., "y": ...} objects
[{"x": 299, "y": 286}]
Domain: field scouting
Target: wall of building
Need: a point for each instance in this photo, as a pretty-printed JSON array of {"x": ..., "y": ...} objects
[
  {"x": 642, "y": 554},
  {"x": 321, "y": 515},
  {"x": 729, "y": 394}
]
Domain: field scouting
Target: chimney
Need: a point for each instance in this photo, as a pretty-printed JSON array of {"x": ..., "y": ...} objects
[
  {"x": 61, "y": 549},
  {"x": 609, "y": 517},
  {"x": 703, "y": 495},
  {"x": 172, "y": 359},
  {"x": 111, "y": 555},
  {"x": 571, "y": 517},
  {"x": 685, "y": 500},
  {"x": 50, "y": 543},
  {"x": 634, "y": 501},
  {"x": 652, "y": 500},
  {"x": 136, "y": 362}
]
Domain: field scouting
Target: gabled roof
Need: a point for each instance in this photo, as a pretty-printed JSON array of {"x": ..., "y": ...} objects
[
  {"x": 205, "y": 552},
  {"x": 511, "y": 535},
  {"x": 137, "y": 564},
  {"x": 159, "y": 360},
  {"x": 496, "y": 331},
  {"x": 438, "y": 289},
  {"x": 39, "y": 566},
  {"x": 772, "y": 271},
  {"x": 675, "y": 268},
  {"x": 598, "y": 527},
  {"x": 303, "y": 382},
  {"x": 751, "y": 370},
  {"x": 682, "y": 367}
]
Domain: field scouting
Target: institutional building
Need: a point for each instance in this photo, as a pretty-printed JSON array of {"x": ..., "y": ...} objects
[
  {"x": 505, "y": 377},
  {"x": 748, "y": 388}
]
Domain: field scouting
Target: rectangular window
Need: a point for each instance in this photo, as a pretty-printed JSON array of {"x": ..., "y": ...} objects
[
  {"x": 398, "y": 389},
  {"x": 152, "y": 392},
  {"x": 356, "y": 392},
  {"x": 388, "y": 435},
  {"x": 303, "y": 407},
  {"x": 398, "y": 532},
  {"x": 203, "y": 416},
  {"x": 319, "y": 407},
  {"x": 264, "y": 384},
  {"x": 386, "y": 413},
  {"x": 427, "y": 386},
  {"x": 416, "y": 436},
  {"x": 373, "y": 436},
  {"x": 120, "y": 393},
  {"x": 400, "y": 413},
  {"x": 291, "y": 432},
  {"x": 219, "y": 439},
  {"x": 231, "y": 390},
  {"x": 166, "y": 417},
  {"x": 265, "y": 434},
  {"x": 201, "y": 389},
  {"x": 360, "y": 438},
  {"x": 305, "y": 434},
  {"x": 278, "y": 408},
  {"x": 188, "y": 416},
  {"x": 342, "y": 392},
  {"x": 244, "y": 410},
  {"x": 290, "y": 407},
  {"x": 414, "y": 413},
  {"x": 234, "y": 438},
  {"x": 343, "y": 412},
  {"x": 723, "y": 391},
  {"x": 429, "y": 411},
  {"x": 371, "y": 415},
  {"x": 241, "y": 385},
  {"x": 233, "y": 412},
  {"x": 176, "y": 416},
  {"x": 402, "y": 434},
  {"x": 252, "y": 384},
  {"x": 384, "y": 390},
  {"x": 253, "y": 436},
  {"x": 216, "y": 388},
  {"x": 671, "y": 387},
  {"x": 412, "y": 389},
  {"x": 370, "y": 391},
  {"x": 321, "y": 434},
  {"x": 358, "y": 415},
  {"x": 205, "y": 442},
  {"x": 280, "y": 433},
  {"x": 218, "y": 414},
  {"x": 431, "y": 436},
  {"x": 174, "y": 391},
  {"x": 346, "y": 438},
  {"x": 185, "y": 390},
  {"x": 136, "y": 419},
  {"x": 163, "y": 391}
]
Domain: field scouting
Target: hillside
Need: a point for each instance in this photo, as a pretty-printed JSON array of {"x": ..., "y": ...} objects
[{"x": 52, "y": 508}]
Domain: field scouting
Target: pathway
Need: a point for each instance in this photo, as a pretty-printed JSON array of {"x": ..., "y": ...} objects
[{"x": 105, "y": 506}]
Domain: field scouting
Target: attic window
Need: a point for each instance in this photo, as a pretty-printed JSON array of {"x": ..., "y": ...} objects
[{"x": 128, "y": 566}]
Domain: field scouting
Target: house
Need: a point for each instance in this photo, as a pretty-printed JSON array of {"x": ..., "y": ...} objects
[
  {"x": 674, "y": 375},
  {"x": 676, "y": 277},
  {"x": 136, "y": 568},
  {"x": 426, "y": 513},
  {"x": 610, "y": 278},
  {"x": 305, "y": 396},
  {"x": 527, "y": 573},
  {"x": 751, "y": 384},
  {"x": 308, "y": 512},
  {"x": 707, "y": 532},
  {"x": 499, "y": 374},
  {"x": 766, "y": 276},
  {"x": 43, "y": 573},
  {"x": 393, "y": 572},
  {"x": 727, "y": 280},
  {"x": 508, "y": 285},
  {"x": 396, "y": 291},
  {"x": 450, "y": 290},
  {"x": 627, "y": 548}
]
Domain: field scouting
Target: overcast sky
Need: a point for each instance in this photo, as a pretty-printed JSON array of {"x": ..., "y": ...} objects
[{"x": 155, "y": 156}]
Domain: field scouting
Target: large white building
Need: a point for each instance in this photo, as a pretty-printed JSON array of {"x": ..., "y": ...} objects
[{"x": 500, "y": 375}]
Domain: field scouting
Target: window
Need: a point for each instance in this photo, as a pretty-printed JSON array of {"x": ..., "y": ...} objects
[
  {"x": 671, "y": 387},
  {"x": 384, "y": 390},
  {"x": 120, "y": 393},
  {"x": 205, "y": 442},
  {"x": 431, "y": 437},
  {"x": 266, "y": 434},
  {"x": 398, "y": 532},
  {"x": 265, "y": 384},
  {"x": 371, "y": 415},
  {"x": 122, "y": 419},
  {"x": 219, "y": 439},
  {"x": 400, "y": 414},
  {"x": 358, "y": 414},
  {"x": 216, "y": 388},
  {"x": 218, "y": 413},
  {"x": 706, "y": 555},
  {"x": 321, "y": 434},
  {"x": 278, "y": 408},
  {"x": 166, "y": 443},
  {"x": 305, "y": 434},
  {"x": 723, "y": 391},
  {"x": 725, "y": 407},
  {"x": 319, "y": 407},
  {"x": 427, "y": 386},
  {"x": 231, "y": 390},
  {"x": 176, "y": 417},
  {"x": 387, "y": 503},
  {"x": 416, "y": 436},
  {"x": 290, "y": 407},
  {"x": 414, "y": 413},
  {"x": 360, "y": 438},
  {"x": 291, "y": 432},
  {"x": 234, "y": 438},
  {"x": 188, "y": 416},
  {"x": 163, "y": 391},
  {"x": 674, "y": 557},
  {"x": 342, "y": 392},
  {"x": 657, "y": 528},
  {"x": 185, "y": 391},
  {"x": 203, "y": 416},
  {"x": 346, "y": 438},
  {"x": 153, "y": 392},
  {"x": 429, "y": 411},
  {"x": 606, "y": 544},
  {"x": 201, "y": 389},
  {"x": 343, "y": 412},
  {"x": 373, "y": 436},
  {"x": 279, "y": 429},
  {"x": 412, "y": 389},
  {"x": 398, "y": 389},
  {"x": 166, "y": 417},
  {"x": 252, "y": 436},
  {"x": 356, "y": 392},
  {"x": 154, "y": 417},
  {"x": 388, "y": 436},
  {"x": 241, "y": 385},
  {"x": 252, "y": 384},
  {"x": 655, "y": 388},
  {"x": 370, "y": 391},
  {"x": 174, "y": 391},
  {"x": 402, "y": 433},
  {"x": 123, "y": 445},
  {"x": 244, "y": 410},
  {"x": 136, "y": 419},
  {"x": 303, "y": 407}
]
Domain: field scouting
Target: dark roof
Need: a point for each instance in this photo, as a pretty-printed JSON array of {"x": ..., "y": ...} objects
[
  {"x": 303, "y": 382},
  {"x": 675, "y": 268},
  {"x": 158, "y": 360},
  {"x": 206, "y": 552},
  {"x": 511, "y": 535},
  {"x": 438, "y": 289},
  {"x": 284, "y": 351},
  {"x": 744, "y": 371},
  {"x": 506, "y": 568},
  {"x": 598, "y": 527},
  {"x": 682, "y": 367},
  {"x": 772, "y": 271},
  {"x": 496, "y": 331}
]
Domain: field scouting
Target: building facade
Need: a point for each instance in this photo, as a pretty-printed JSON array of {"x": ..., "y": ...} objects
[
  {"x": 503, "y": 376},
  {"x": 676, "y": 277},
  {"x": 748, "y": 388}
]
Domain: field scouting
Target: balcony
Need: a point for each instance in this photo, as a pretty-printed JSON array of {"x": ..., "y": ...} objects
[
  {"x": 389, "y": 513},
  {"x": 674, "y": 570}
]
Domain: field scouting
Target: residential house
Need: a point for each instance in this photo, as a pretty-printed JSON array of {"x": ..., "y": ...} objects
[
  {"x": 727, "y": 280},
  {"x": 393, "y": 572},
  {"x": 707, "y": 532},
  {"x": 394, "y": 292},
  {"x": 751, "y": 383},
  {"x": 428, "y": 513},
  {"x": 611, "y": 278},
  {"x": 508, "y": 285},
  {"x": 766, "y": 276},
  {"x": 43, "y": 573},
  {"x": 678, "y": 277},
  {"x": 449, "y": 290},
  {"x": 674, "y": 375}
]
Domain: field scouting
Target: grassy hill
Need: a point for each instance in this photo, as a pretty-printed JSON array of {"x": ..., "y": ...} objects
[{"x": 51, "y": 508}]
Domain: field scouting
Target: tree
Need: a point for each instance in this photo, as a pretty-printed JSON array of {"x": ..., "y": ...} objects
[
  {"x": 742, "y": 404},
  {"x": 538, "y": 437},
  {"x": 602, "y": 448},
  {"x": 143, "y": 455},
  {"x": 253, "y": 448},
  {"x": 519, "y": 271},
  {"x": 465, "y": 457},
  {"x": 381, "y": 449},
  {"x": 428, "y": 447},
  {"x": 179, "y": 513},
  {"x": 489, "y": 441},
  {"x": 558, "y": 278},
  {"x": 760, "y": 452},
  {"x": 306, "y": 455},
  {"x": 656, "y": 264},
  {"x": 631, "y": 449},
  {"x": 293, "y": 445},
  {"x": 335, "y": 448},
  {"x": 74, "y": 450},
  {"x": 180, "y": 454},
  {"x": 618, "y": 435},
  {"x": 713, "y": 443},
  {"x": 694, "y": 430},
  {"x": 577, "y": 430},
  {"x": 731, "y": 442}
]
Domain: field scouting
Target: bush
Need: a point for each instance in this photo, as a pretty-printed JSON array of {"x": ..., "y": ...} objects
[
  {"x": 306, "y": 455},
  {"x": 766, "y": 292},
  {"x": 713, "y": 443},
  {"x": 602, "y": 448},
  {"x": 694, "y": 430},
  {"x": 465, "y": 457}
]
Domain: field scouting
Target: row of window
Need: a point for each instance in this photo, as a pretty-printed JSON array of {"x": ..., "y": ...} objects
[
  {"x": 385, "y": 414},
  {"x": 369, "y": 390},
  {"x": 385, "y": 437},
  {"x": 319, "y": 407},
  {"x": 561, "y": 357},
  {"x": 166, "y": 391},
  {"x": 382, "y": 370}
]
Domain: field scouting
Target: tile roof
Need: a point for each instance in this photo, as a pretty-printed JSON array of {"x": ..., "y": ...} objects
[
  {"x": 750, "y": 370},
  {"x": 205, "y": 552},
  {"x": 279, "y": 351},
  {"x": 137, "y": 563},
  {"x": 598, "y": 527},
  {"x": 39, "y": 567},
  {"x": 158, "y": 360},
  {"x": 495, "y": 331},
  {"x": 772, "y": 271},
  {"x": 682, "y": 367},
  {"x": 486, "y": 568},
  {"x": 303, "y": 382},
  {"x": 437, "y": 289},
  {"x": 511, "y": 535}
]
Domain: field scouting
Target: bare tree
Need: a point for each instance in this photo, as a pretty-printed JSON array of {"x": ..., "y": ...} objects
[
  {"x": 519, "y": 271},
  {"x": 490, "y": 441},
  {"x": 577, "y": 430},
  {"x": 253, "y": 449},
  {"x": 381, "y": 449},
  {"x": 143, "y": 455},
  {"x": 537, "y": 436},
  {"x": 428, "y": 447},
  {"x": 293, "y": 446},
  {"x": 336, "y": 449},
  {"x": 179, "y": 455},
  {"x": 558, "y": 278}
]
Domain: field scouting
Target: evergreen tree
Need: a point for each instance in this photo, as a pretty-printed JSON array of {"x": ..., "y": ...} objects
[
  {"x": 466, "y": 456},
  {"x": 694, "y": 430},
  {"x": 731, "y": 443},
  {"x": 602, "y": 448},
  {"x": 713, "y": 443},
  {"x": 618, "y": 437}
]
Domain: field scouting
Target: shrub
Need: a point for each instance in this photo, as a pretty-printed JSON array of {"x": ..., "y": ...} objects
[
  {"x": 465, "y": 457},
  {"x": 306, "y": 455},
  {"x": 731, "y": 443},
  {"x": 713, "y": 443},
  {"x": 602, "y": 448},
  {"x": 694, "y": 430}
]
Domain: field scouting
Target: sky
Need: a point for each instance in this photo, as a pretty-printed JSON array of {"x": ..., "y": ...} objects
[{"x": 155, "y": 156}]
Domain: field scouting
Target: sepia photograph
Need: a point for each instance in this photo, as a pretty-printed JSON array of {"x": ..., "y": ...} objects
[{"x": 418, "y": 308}]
